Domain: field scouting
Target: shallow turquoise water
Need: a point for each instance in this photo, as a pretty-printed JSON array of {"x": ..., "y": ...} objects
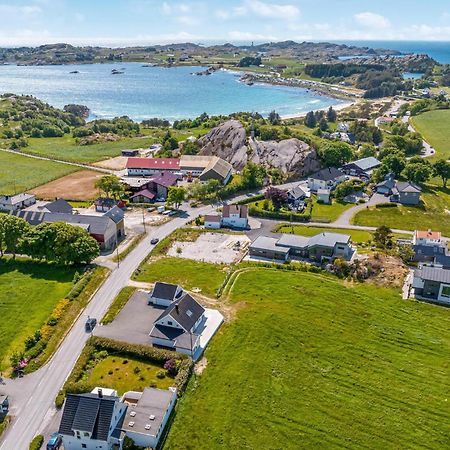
[{"x": 144, "y": 92}]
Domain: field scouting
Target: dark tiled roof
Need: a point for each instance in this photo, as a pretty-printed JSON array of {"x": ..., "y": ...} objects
[
  {"x": 181, "y": 339},
  {"x": 88, "y": 412},
  {"x": 165, "y": 291},
  {"x": 186, "y": 311},
  {"x": 327, "y": 174},
  {"x": 408, "y": 186},
  {"x": 242, "y": 210},
  {"x": 59, "y": 206},
  {"x": 166, "y": 179},
  {"x": 115, "y": 214},
  {"x": 105, "y": 201},
  {"x": 145, "y": 193}
]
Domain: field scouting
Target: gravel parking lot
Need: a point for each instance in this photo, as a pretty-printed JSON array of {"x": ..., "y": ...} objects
[{"x": 213, "y": 248}]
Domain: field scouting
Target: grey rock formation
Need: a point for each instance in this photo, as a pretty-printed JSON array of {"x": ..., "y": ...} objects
[{"x": 229, "y": 141}]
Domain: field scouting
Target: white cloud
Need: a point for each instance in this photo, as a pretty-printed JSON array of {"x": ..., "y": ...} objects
[
  {"x": 248, "y": 36},
  {"x": 273, "y": 10},
  {"x": 187, "y": 20},
  {"x": 12, "y": 10},
  {"x": 372, "y": 20}
]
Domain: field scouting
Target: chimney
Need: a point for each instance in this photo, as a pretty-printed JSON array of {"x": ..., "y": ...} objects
[
  {"x": 177, "y": 309},
  {"x": 100, "y": 393}
]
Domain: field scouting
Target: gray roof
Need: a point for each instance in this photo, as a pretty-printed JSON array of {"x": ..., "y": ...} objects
[
  {"x": 88, "y": 412},
  {"x": 389, "y": 183},
  {"x": 328, "y": 174},
  {"x": 434, "y": 274},
  {"x": 408, "y": 186},
  {"x": 323, "y": 191},
  {"x": 14, "y": 199},
  {"x": 366, "y": 163},
  {"x": 185, "y": 311},
  {"x": 165, "y": 291},
  {"x": 59, "y": 206},
  {"x": 328, "y": 239},
  {"x": 297, "y": 192},
  {"x": 293, "y": 240},
  {"x": 181, "y": 338},
  {"x": 268, "y": 243},
  {"x": 115, "y": 214}
]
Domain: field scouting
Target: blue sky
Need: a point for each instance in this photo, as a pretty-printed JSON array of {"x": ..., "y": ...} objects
[{"x": 127, "y": 22}]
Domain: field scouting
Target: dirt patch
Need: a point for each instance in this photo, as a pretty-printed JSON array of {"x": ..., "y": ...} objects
[
  {"x": 391, "y": 270},
  {"x": 117, "y": 163},
  {"x": 200, "y": 366},
  {"x": 76, "y": 186}
]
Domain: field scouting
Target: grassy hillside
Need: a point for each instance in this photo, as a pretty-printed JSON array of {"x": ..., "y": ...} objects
[
  {"x": 20, "y": 173},
  {"x": 310, "y": 362},
  {"x": 434, "y": 127}
]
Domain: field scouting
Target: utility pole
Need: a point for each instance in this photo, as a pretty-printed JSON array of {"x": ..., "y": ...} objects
[
  {"x": 143, "y": 221},
  {"x": 117, "y": 252}
]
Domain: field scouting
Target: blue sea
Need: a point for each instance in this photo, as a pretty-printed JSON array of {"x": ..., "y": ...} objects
[{"x": 146, "y": 92}]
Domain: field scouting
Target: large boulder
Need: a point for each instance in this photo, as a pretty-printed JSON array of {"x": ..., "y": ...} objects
[{"x": 229, "y": 141}]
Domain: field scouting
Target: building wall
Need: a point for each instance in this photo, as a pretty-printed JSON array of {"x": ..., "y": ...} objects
[
  {"x": 72, "y": 443},
  {"x": 162, "y": 342},
  {"x": 409, "y": 198},
  {"x": 318, "y": 252},
  {"x": 269, "y": 254},
  {"x": 141, "y": 199},
  {"x": 212, "y": 225},
  {"x": 235, "y": 221},
  {"x": 160, "y": 301}
]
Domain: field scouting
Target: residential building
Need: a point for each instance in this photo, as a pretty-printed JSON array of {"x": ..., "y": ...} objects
[
  {"x": 178, "y": 326},
  {"x": 432, "y": 283},
  {"x": 324, "y": 196},
  {"x": 431, "y": 238},
  {"x": 57, "y": 206},
  {"x": 362, "y": 167},
  {"x": 104, "y": 204},
  {"x": 235, "y": 216},
  {"x": 296, "y": 195},
  {"x": 130, "y": 153},
  {"x": 386, "y": 186},
  {"x": 156, "y": 188},
  {"x": 430, "y": 249},
  {"x": 147, "y": 415},
  {"x": 327, "y": 178},
  {"x": 150, "y": 166},
  {"x": 213, "y": 221},
  {"x": 384, "y": 121},
  {"x": 406, "y": 193},
  {"x": 92, "y": 421},
  {"x": 206, "y": 168},
  {"x": 10, "y": 203},
  {"x": 321, "y": 247},
  {"x": 164, "y": 294},
  {"x": 143, "y": 196}
]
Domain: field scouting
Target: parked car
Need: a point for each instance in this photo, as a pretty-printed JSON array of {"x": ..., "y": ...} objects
[
  {"x": 154, "y": 241},
  {"x": 54, "y": 442},
  {"x": 90, "y": 324}
]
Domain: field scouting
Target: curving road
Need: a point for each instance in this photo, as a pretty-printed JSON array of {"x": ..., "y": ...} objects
[{"x": 32, "y": 397}]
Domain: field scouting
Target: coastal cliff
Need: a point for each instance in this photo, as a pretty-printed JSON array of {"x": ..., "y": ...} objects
[{"x": 229, "y": 141}]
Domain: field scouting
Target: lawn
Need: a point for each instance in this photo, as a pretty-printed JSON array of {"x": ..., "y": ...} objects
[
  {"x": 322, "y": 212},
  {"x": 128, "y": 374},
  {"x": 28, "y": 293},
  {"x": 118, "y": 303},
  {"x": 434, "y": 214},
  {"x": 312, "y": 362},
  {"x": 185, "y": 272},
  {"x": 434, "y": 127},
  {"x": 20, "y": 173}
]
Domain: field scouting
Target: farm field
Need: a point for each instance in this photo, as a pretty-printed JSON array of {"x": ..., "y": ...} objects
[
  {"x": 28, "y": 293},
  {"x": 312, "y": 362},
  {"x": 21, "y": 173},
  {"x": 434, "y": 127},
  {"x": 127, "y": 374},
  {"x": 187, "y": 273},
  {"x": 75, "y": 186},
  {"x": 435, "y": 214}
]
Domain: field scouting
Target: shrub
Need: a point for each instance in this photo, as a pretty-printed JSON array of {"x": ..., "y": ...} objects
[
  {"x": 37, "y": 442},
  {"x": 161, "y": 374},
  {"x": 171, "y": 366}
]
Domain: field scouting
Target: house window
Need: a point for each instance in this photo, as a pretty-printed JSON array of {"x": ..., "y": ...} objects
[
  {"x": 83, "y": 446},
  {"x": 169, "y": 322},
  {"x": 445, "y": 291}
]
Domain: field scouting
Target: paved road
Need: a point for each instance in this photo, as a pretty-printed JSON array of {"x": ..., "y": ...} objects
[
  {"x": 44, "y": 158},
  {"x": 33, "y": 396}
]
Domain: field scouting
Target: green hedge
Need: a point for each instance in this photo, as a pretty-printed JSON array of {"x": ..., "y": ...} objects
[
  {"x": 255, "y": 198},
  {"x": 73, "y": 384},
  {"x": 386, "y": 205},
  {"x": 255, "y": 212},
  {"x": 37, "y": 442}
]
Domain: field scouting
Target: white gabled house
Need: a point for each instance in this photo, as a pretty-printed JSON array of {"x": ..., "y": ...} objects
[
  {"x": 10, "y": 203},
  {"x": 164, "y": 294},
  {"x": 233, "y": 216},
  {"x": 327, "y": 178}
]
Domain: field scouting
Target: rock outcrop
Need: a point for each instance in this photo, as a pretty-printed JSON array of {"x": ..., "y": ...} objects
[{"x": 229, "y": 141}]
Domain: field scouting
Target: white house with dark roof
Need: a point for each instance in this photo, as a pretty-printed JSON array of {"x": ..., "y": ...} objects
[
  {"x": 406, "y": 193},
  {"x": 178, "y": 326},
  {"x": 10, "y": 203},
  {"x": 164, "y": 294},
  {"x": 233, "y": 216},
  {"x": 432, "y": 283},
  {"x": 327, "y": 178}
]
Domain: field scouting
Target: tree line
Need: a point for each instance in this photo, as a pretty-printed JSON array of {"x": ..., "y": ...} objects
[{"x": 57, "y": 242}]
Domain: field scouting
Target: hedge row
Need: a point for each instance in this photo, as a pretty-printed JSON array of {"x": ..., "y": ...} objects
[
  {"x": 73, "y": 384},
  {"x": 386, "y": 205},
  {"x": 255, "y": 212},
  {"x": 255, "y": 198},
  {"x": 37, "y": 442}
]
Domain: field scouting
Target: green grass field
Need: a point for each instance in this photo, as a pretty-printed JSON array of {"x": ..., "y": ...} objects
[
  {"x": 28, "y": 293},
  {"x": 312, "y": 362},
  {"x": 118, "y": 303},
  {"x": 435, "y": 214},
  {"x": 127, "y": 374},
  {"x": 185, "y": 272},
  {"x": 434, "y": 127},
  {"x": 328, "y": 213},
  {"x": 20, "y": 173}
]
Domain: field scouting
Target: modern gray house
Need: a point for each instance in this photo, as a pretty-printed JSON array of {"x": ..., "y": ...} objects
[
  {"x": 432, "y": 283},
  {"x": 406, "y": 193},
  {"x": 362, "y": 167}
]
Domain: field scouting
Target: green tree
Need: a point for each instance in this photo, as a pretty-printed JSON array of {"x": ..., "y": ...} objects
[
  {"x": 331, "y": 114},
  {"x": 253, "y": 175},
  {"x": 13, "y": 232},
  {"x": 336, "y": 154},
  {"x": 274, "y": 118},
  {"x": 111, "y": 186},
  {"x": 441, "y": 169},
  {"x": 176, "y": 196},
  {"x": 418, "y": 170},
  {"x": 383, "y": 237},
  {"x": 323, "y": 124},
  {"x": 310, "y": 120},
  {"x": 367, "y": 150},
  {"x": 394, "y": 163}
]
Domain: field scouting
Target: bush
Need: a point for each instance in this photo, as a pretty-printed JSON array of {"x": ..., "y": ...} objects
[
  {"x": 37, "y": 442},
  {"x": 386, "y": 205},
  {"x": 161, "y": 374}
]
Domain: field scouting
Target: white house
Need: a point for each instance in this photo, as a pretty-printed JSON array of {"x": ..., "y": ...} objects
[
  {"x": 327, "y": 178},
  {"x": 323, "y": 195},
  {"x": 164, "y": 294},
  {"x": 178, "y": 327},
  {"x": 429, "y": 238},
  {"x": 235, "y": 216},
  {"x": 213, "y": 222},
  {"x": 9, "y": 203}
]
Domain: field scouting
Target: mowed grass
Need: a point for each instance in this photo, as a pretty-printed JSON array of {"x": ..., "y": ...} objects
[
  {"x": 127, "y": 374},
  {"x": 20, "y": 173},
  {"x": 434, "y": 214},
  {"x": 185, "y": 272},
  {"x": 310, "y": 362},
  {"x": 28, "y": 293},
  {"x": 328, "y": 213},
  {"x": 435, "y": 128}
]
